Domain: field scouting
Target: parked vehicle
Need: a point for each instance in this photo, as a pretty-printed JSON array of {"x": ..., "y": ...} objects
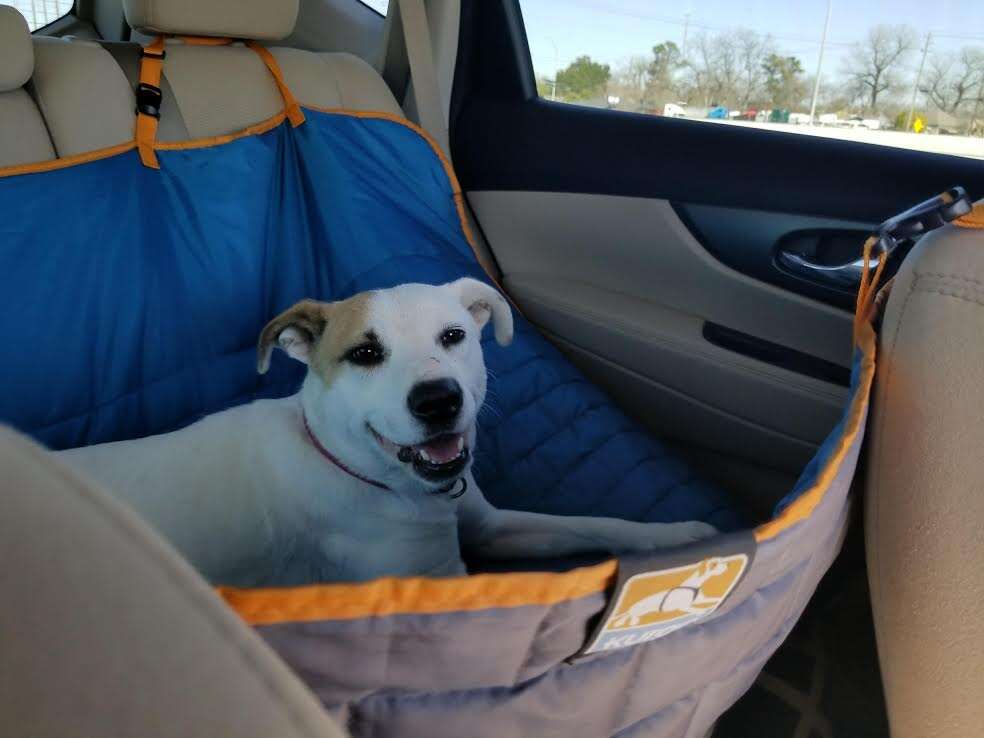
[{"x": 675, "y": 110}]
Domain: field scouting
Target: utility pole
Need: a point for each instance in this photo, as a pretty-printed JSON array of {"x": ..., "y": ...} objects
[
  {"x": 553, "y": 82},
  {"x": 686, "y": 27},
  {"x": 816, "y": 82},
  {"x": 915, "y": 87}
]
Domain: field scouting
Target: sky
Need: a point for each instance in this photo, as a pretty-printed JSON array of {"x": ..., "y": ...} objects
[{"x": 611, "y": 31}]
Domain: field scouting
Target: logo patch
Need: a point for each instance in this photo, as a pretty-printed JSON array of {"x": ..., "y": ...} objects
[{"x": 653, "y": 604}]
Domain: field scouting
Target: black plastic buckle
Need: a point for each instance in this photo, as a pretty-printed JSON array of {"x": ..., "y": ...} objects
[
  {"x": 149, "y": 100},
  {"x": 922, "y": 218}
]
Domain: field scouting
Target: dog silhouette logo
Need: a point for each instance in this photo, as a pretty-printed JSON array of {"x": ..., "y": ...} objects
[{"x": 653, "y": 604}]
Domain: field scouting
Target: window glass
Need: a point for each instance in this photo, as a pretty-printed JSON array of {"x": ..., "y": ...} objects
[
  {"x": 895, "y": 72},
  {"x": 380, "y": 6},
  {"x": 40, "y": 13}
]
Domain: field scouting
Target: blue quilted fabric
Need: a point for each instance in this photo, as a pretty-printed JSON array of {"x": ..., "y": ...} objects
[{"x": 133, "y": 299}]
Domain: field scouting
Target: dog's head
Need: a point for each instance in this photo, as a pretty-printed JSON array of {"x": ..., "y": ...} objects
[{"x": 399, "y": 371}]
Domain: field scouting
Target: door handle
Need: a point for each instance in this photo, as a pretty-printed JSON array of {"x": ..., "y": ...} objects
[{"x": 845, "y": 277}]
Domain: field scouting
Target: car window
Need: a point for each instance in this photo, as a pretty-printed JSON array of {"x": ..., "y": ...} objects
[
  {"x": 40, "y": 13},
  {"x": 905, "y": 73},
  {"x": 380, "y": 6}
]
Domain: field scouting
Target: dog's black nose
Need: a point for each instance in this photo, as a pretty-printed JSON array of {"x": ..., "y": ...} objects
[{"x": 436, "y": 402}]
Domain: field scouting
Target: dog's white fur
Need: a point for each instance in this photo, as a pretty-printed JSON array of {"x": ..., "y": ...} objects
[{"x": 246, "y": 496}]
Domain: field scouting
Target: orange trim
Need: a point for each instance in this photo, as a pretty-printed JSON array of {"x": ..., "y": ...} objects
[
  {"x": 868, "y": 287},
  {"x": 803, "y": 506},
  {"x": 459, "y": 198},
  {"x": 68, "y": 161},
  {"x": 864, "y": 338},
  {"x": 203, "y": 143},
  {"x": 151, "y": 64},
  {"x": 973, "y": 219},
  {"x": 291, "y": 107},
  {"x": 415, "y": 595}
]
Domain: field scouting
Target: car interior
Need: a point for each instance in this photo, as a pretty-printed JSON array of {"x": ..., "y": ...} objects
[{"x": 673, "y": 262}]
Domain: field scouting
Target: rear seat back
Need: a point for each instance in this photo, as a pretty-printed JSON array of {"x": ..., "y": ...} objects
[
  {"x": 222, "y": 89},
  {"x": 61, "y": 98},
  {"x": 83, "y": 95},
  {"x": 23, "y": 136}
]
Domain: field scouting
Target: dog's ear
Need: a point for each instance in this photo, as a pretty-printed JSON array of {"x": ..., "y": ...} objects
[
  {"x": 295, "y": 330},
  {"x": 484, "y": 302}
]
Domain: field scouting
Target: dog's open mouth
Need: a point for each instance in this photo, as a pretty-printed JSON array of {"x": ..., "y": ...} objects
[{"x": 438, "y": 459}]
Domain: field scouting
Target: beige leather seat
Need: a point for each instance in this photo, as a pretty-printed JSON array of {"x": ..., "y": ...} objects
[
  {"x": 106, "y": 631},
  {"x": 210, "y": 90},
  {"x": 925, "y": 490},
  {"x": 80, "y": 100},
  {"x": 23, "y": 136}
]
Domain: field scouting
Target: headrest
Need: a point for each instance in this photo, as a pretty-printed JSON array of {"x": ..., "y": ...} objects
[
  {"x": 264, "y": 20},
  {"x": 16, "y": 50}
]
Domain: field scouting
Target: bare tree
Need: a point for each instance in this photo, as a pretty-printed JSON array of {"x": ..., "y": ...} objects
[
  {"x": 631, "y": 83},
  {"x": 874, "y": 64},
  {"x": 726, "y": 69},
  {"x": 700, "y": 79},
  {"x": 752, "y": 51},
  {"x": 954, "y": 81}
]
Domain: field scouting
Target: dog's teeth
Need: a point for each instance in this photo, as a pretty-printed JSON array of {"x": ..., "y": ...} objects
[
  {"x": 461, "y": 443},
  {"x": 424, "y": 455}
]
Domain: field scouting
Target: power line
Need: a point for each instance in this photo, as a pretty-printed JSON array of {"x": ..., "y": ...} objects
[{"x": 688, "y": 21}]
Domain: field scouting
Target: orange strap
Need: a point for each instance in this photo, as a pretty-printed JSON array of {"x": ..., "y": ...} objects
[
  {"x": 868, "y": 288},
  {"x": 973, "y": 219},
  {"x": 291, "y": 107},
  {"x": 151, "y": 65}
]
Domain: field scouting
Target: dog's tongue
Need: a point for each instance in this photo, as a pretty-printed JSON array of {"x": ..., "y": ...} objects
[{"x": 441, "y": 450}]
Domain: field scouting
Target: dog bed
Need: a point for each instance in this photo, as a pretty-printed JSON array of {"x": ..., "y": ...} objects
[{"x": 136, "y": 310}]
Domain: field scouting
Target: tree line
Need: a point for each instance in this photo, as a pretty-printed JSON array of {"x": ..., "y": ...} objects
[{"x": 742, "y": 69}]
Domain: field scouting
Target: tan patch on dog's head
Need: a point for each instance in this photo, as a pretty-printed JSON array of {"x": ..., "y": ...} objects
[
  {"x": 316, "y": 333},
  {"x": 347, "y": 327}
]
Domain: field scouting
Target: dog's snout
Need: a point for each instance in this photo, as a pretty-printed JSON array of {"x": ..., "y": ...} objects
[{"x": 436, "y": 402}]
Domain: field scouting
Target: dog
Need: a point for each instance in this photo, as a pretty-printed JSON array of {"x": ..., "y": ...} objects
[{"x": 366, "y": 471}]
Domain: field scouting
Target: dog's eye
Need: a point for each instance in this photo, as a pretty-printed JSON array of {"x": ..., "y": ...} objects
[
  {"x": 367, "y": 354},
  {"x": 451, "y": 337}
]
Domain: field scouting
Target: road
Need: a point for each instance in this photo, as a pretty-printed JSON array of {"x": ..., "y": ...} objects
[{"x": 953, "y": 145}]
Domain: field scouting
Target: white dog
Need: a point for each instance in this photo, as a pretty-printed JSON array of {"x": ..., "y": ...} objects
[{"x": 366, "y": 471}]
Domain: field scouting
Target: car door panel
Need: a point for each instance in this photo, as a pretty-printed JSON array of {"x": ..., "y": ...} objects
[
  {"x": 647, "y": 246},
  {"x": 630, "y": 306}
]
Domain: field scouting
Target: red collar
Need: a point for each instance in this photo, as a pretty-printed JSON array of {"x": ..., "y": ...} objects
[{"x": 328, "y": 455}]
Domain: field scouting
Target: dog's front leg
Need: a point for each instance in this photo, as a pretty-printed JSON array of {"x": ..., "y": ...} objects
[{"x": 493, "y": 533}]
